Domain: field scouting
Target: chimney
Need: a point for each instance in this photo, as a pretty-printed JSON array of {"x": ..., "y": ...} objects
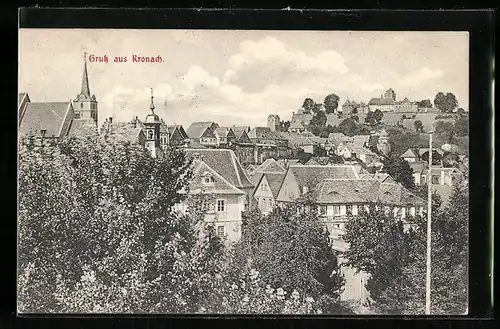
[
  {"x": 43, "y": 132},
  {"x": 110, "y": 120}
]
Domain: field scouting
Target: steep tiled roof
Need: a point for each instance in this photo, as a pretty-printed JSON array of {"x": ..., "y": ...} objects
[
  {"x": 381, "y": 101},
  {"x": 124, "y": 130},
  {"x": 225, "y": 162},
  {"x": 196, "y": 129},
  {"x": 347, "y": 191},
  {"x": 396, "y": 194},
  {"x": 342, "y": 191},
  {"x": 297, "y": 125},
  {"x": 48, "y": 116},
  {"x": 275, "y": 181},
  {"x": 323, "y": 161},
  {"x": 218, "y": 186},
  {"x": 270, "y": 165},
  {"x": 82, "y": 127},
  {"x": 312, "y": 175}
]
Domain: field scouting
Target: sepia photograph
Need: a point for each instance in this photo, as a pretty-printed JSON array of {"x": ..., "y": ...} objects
[{"x": 235, "y": 172}]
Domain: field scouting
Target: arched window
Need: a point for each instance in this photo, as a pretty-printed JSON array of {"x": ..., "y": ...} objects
[
  {"x": 150, "y": 134},
  {"x": 81, "y": 105}
]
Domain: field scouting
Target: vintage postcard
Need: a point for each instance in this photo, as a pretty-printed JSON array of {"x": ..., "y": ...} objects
[{"x": 243, "y": 172}]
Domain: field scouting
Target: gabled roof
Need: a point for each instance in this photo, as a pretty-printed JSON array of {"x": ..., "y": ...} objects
[
  {"x": 274, "y": 180},
  {"x": 197, "y": 129},
  {"x": 219, "y": 185},
  {"x": 172, "y": 128},
  {"x": 409, "y": 153},
  {"x": 48, "y": 116},
  {"x": 297, "y": 125},
  {"x": 225, "y": 162},
  {"x": 224, "y": 132},
  {"x": 313, "y": 175},
  {"x": 322, "y": 161},
  {"x": 270, "y": 165}
]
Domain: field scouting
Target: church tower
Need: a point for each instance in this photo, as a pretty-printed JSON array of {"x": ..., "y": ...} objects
[
  {"x": 85, "y": 104},
  {"x": 152, "y": 129}
]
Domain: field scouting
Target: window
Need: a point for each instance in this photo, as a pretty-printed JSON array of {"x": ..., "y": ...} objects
[
  {"x": 412, "y": 211},
  {"x": 349, "y": 209},
  {"x": 208, "y": 180},
  {"x": 150, "y": 134},
  {"x": 221, "y": 205},
  {"x": 81, "y": 105},
  {"x": 336, "y": 210},
  {"x": 322, "y": 210},
  {"x": 221, "y": 231}
]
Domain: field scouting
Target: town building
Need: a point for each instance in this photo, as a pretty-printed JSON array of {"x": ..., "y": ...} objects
[
  {"x": 225, "y": 137},
  {"x": 338, "y": 199},
  {"x": 221, "y": 202},
  {"x": 203, "y": 133},
  {"x": 267, "y": 189},
  {"x": 226, "y": 164}
]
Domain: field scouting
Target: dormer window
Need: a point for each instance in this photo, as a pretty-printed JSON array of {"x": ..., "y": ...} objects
[
  {"x": 207, "y": 178},
  {"x": 305, "y": 189}
]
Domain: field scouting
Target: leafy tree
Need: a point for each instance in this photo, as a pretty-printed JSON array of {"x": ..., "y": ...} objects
[
  {"x": 291, "y": 249},
  {"x": 378, "y": 115},
  {"x": 399, "y": 169},
  {"x": 426, "y": 103},
  {"x": 379, "y": 245},
  {"x": 445, "y": 102},
  {"x": 114, "y": 219},
  {"x": 331, "y": 103},
  {"x": 284, "y": 125},
  {"x": 308, "y": 104},
  {"x": 400, "y": 140},
  {"x": 370, "y": 118},
  {"x": 419, "y": 126},
  {"x": 445, "y": 129},
  {"x": 461, "y": 126},
  {"x": 461, "y": 111},
  {"x": 396, "y": 259}
]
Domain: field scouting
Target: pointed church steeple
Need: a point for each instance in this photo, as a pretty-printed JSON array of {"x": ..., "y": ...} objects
[{"x": 85, "y": 79}]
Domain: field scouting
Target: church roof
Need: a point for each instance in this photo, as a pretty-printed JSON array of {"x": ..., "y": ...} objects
[{"x": 48, "y": 116}]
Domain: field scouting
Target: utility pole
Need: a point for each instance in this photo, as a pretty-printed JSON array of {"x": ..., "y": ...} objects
[{"x": 429, "y": 229}]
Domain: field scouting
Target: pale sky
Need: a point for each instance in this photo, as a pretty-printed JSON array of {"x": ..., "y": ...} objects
[{"x": 239, "y": 77}]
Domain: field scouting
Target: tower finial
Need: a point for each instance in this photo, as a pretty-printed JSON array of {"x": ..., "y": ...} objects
[
  {"x": 85, "y": 79},
  {"x": 152, "y": 106}
]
